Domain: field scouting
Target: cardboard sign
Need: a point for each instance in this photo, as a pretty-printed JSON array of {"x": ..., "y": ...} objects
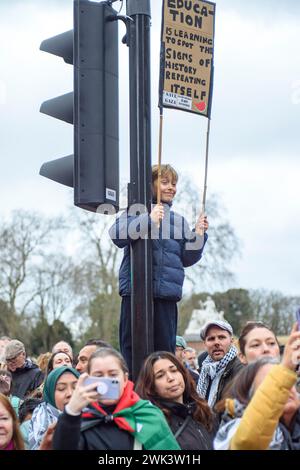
[{"x": 187, "y": 53}]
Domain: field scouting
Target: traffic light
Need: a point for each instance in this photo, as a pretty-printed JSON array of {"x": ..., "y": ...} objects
[{"x": 93, "y": 107}]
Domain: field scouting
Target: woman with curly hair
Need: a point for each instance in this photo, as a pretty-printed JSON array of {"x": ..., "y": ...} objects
[{"x": 165, "y": 382}]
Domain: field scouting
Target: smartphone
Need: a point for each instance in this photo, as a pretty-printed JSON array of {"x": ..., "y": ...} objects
[
  {"x": 298, "y": 318},
  {"x": 107, "y": 387}
]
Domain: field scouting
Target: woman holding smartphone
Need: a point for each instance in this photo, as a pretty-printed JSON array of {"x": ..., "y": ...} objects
[{"x": 91, "y": 422}]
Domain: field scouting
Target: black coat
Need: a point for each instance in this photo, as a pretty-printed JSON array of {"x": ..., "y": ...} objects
[
  {"x": 232, "y": 368},
  {"x": 72, "y": 434},
  {"x": 194, "y": 436},
  {"x": 26, "y": 379}
]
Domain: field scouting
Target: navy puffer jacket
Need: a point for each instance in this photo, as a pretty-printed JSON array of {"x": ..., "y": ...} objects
[{"x": 174, "y": 247}]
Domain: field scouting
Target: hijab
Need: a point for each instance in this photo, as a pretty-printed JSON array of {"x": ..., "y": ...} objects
[{"x": 51, "y": 381}]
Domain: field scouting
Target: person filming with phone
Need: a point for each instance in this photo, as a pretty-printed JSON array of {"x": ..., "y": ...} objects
[{"x": 105, "y": 413}]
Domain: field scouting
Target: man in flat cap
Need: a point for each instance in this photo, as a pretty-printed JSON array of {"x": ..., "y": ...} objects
[
  {"x": 221, "y": 364},
  {"x": 26, "y": 376}
]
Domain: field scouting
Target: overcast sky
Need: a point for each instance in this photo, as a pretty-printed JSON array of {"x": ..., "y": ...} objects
[{"x": 254, "y": 155}]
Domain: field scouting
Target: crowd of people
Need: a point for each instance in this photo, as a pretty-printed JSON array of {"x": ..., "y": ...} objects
[
  {"x": 243, "y": 396},
  {"x": 236, "y": 395}
]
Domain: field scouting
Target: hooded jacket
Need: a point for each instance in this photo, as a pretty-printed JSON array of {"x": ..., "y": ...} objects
[
  {"x": 174, "y": 247},
  {"x": 26, "y": 379},
  {"x": 193, "y": 435}
]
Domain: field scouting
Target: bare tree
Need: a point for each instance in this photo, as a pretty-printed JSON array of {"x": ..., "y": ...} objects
[
  {"x": 98, "y": 256},
  {"x": 223, "y": 244},
  {"x": 22, "y": 239},
  {"x": 275, "y": 309},
  {"x": 95, "y": 277},
  {"x": 53, "y": 280}
]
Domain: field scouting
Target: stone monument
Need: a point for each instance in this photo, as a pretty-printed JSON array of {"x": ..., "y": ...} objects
[{"x": 206, "y": 312}]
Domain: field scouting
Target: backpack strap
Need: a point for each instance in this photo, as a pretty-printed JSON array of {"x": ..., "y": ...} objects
[{"x": 182, "y": 427}]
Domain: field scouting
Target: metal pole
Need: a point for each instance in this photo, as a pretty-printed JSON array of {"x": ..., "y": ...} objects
[
  {"x": 140, "y": 177},
  {"x": 206, "y": 166},
  {"x": 159, "y": 155}
]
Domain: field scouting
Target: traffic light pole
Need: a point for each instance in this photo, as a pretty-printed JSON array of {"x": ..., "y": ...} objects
[{"x": 138, "y": 40}]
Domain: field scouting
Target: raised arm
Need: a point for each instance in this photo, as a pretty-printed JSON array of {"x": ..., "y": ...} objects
[
  {"x": 194, "y": 242},
  {"x": 67, "y": 432},
  {"x": 261, "y": 417}
]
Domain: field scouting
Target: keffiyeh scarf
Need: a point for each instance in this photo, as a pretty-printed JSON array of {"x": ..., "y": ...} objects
[{"x": 210, "y": 369}]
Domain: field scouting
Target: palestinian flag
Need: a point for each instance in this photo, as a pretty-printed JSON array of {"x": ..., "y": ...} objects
[{"x": 139, "y": 417}]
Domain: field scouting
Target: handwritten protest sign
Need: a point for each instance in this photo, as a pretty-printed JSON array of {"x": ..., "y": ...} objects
[{"x": 187, "y": 53}]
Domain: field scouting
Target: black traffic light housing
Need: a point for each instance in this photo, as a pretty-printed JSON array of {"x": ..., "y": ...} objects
[{"x": 92, "y": 47}]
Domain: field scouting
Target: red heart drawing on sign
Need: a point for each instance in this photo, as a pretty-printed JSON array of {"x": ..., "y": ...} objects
[{"x": 201, "y": 105}]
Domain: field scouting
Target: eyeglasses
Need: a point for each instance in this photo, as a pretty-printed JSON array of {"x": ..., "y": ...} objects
[{"x": 12, "y": 359}]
